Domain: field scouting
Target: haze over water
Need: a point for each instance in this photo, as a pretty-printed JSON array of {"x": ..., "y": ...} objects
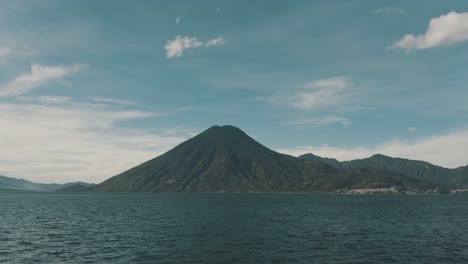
[{"x": 232, "y": 228}]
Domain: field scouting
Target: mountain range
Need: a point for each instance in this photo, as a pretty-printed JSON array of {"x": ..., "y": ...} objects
[
  {"x": 443, "y": 177},
  {"x": 225, "y": 159},
  {"x": 13, "y": 184}
]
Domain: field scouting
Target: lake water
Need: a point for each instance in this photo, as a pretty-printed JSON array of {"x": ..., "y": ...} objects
[{"x": 232, "y": 228}]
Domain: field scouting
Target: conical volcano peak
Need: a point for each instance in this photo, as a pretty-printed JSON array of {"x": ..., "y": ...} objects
[
  {"x": 219, "y": 139},
  {"x": 225, "y": 131},
  {"x": 225, "y": 128}
]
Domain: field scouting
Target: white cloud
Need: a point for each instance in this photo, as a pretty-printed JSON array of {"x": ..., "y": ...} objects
[
  {"x": 76, "y": 141},
  {"x": 322, "y": 121},
  {"x": 442, "y": 31},
  {"x": 179, "y": 130},
  {"x": 215, "y": 42},
  {"x": 4, "y": 52},
  {"x": 335, "y": 82},
  {"x": 331, "y": 98},
  {"x": 112, "y": 100},
  {"x": 45, "y": 99},
  {"x": 447, "y": 150},
  {"x": 176, "y": 47},
  {"x": 411, "y": 129},
  {"x": 322, "y": 94},
  {"x": 185, "y": 108},
  {"x": 178, "y": 19},
  {"x": 390, "y": 10},
  {"x": 38, "y": 76}
]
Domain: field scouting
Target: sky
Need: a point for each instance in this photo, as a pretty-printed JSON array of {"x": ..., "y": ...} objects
[{"x": 89, "y": 89}]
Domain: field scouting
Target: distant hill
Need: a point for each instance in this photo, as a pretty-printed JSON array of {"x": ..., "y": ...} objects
[
  {"x": 332, "y": 162},
  {"x": 225, "y": 159},
  {"x": 13, "y": 184},
  {"x": 462, "y": 173},
  {"x": 444, "y": 177},
  {"x": 76, "y": 187}
]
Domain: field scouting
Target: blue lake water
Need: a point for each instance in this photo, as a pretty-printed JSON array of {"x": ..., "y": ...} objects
[{"x": 232, "y": 228}]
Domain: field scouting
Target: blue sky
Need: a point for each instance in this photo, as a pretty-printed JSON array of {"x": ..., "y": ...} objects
[{"x": 91, "y": 88}]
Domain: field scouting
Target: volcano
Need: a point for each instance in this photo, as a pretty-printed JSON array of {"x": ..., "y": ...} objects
[{"x": 225, "y": 159}]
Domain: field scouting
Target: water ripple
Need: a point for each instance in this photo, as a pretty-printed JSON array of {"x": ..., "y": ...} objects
[{"x": 232, "y": 228}]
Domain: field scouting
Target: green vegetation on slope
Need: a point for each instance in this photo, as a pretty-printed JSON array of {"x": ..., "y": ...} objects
[
  {"x": 225, "y": 159},
  {"x": 446, "y": 178}
]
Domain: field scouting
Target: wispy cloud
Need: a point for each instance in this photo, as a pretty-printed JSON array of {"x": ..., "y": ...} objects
[
  {"x": 442, "y": 31},
  {"x": 390, "y": 10},
  {"x": 322, "y": 121},
  {"x": 4, "y": 52},
  {"x": 185, "y": 108},
  {"x": 318, "y": 95},
  {"x": 112, "y": 100},
  {"x": 447, "y": 150},
  {"x": 76, "y": 141},
  {"x": 412, "y": 129},
  {"x": 178, "y": 19},
  {"x": 322, "y": 94},
  {"x": 175, "y": 48},
  {"x": 45, "y": 99},
  {"x": 180, "y": 130},
  {"x": 38, "y": 76},
  {"x": 215, "y": 42}
]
